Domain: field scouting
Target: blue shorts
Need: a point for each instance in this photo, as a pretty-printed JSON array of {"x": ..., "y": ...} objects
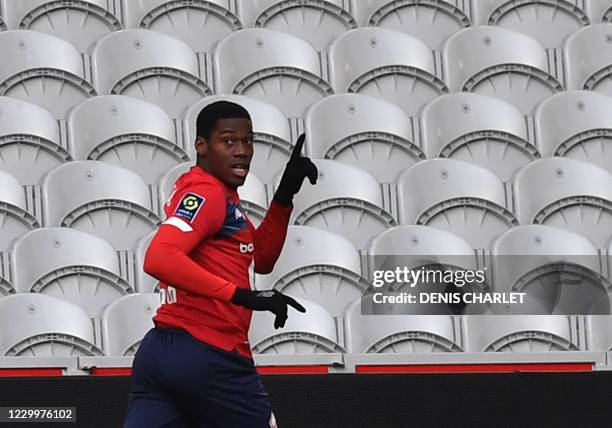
[{"x": 178, "y": 381}]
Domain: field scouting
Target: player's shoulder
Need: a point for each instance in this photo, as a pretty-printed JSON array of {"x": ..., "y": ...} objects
[{"x": 194, "y": 189}]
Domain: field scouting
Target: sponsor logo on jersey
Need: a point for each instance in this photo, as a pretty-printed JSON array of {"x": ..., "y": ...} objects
[
  {"x": 189, "y": 206},
  {"x": 247, "y": 248}
]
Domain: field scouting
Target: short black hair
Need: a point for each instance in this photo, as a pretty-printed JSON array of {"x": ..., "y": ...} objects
[{"x": 207, "y": 119}]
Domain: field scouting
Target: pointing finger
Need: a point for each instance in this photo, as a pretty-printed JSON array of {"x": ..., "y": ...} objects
[{"x": 295, "y": 154}]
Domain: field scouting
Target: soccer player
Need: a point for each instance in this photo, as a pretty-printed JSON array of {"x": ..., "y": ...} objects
[{"x": 195, "y": 369}]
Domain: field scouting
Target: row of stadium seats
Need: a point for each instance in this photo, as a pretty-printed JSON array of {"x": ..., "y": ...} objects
[
  {"x": 42, "y": 326},
  {"x": 465, "y": 199},
  {"x": 203, "y": 23},
  {"x": 362, "y": 131},
  {"x": 288, "y": 73},
  {"x": 562, "y": 271}
]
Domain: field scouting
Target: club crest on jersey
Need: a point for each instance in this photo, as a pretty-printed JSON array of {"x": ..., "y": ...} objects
[{"x": 189, "y": 206}]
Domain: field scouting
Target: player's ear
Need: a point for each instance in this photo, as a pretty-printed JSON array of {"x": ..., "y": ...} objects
[{"x": 201, "y": 146}]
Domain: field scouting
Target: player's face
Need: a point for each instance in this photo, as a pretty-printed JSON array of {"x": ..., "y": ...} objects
[{"x": 228, "y": 152}]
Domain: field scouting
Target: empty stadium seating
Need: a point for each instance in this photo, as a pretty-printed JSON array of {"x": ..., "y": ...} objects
[
  {"x": 501, "y": 63},
  {"x": 377, "y": 333},
  {"x": 588, "y": 59},
  {"x": 319, "y": 266},
  {"x": 317, "y": 22},
  {"x": 252, "y": 193},
  {"x": 600, "y": 10},
  {"x": 559, "y": 270},
  {"x": 346, "y": 200},
  {"x": 148, "y": 65},
  {"x": 518, "y": 334},
  {"x": 386, "y": 64},
  {"x": 566, "y": 193},
  {"x": 549, "y": 22},
  {"x": 126, "y": 321},
  {"x": 599, "y": 334},
  {"x": 44, "y": 70},
  {"x": 144, "y": 283},
  {"x": 362, "y": 131},
  {"x": 200, "y": 24},
  {"x": 429, "y": 20},
  {"x": 16, "y": 219},
  {"x": 36, "y": 325},
  {"x": 81, "y": 23},
  {"x": 576, "y": 124},
  {"x": 452, "y": 201},
  {"x": 102, "y": 199},
  {"x": 126, "y": 132},
  {"x": 271, "y": 134},
  {"x": 416, "y": 247},
  {"x": 52, "y": 261},
  {"x": 303, "y": 334},
  {"x": 271, "y": 66},
  {"x": 477, "y": 129},
  {"x": 448, "y": 117},
  {"x": 29, "y": 141}
]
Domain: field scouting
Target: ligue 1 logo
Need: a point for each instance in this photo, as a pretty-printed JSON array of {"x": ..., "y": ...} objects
[{"x": 191, "y": 203}]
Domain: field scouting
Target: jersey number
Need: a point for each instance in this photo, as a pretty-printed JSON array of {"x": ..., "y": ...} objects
[{"x": 168, "y": 295}]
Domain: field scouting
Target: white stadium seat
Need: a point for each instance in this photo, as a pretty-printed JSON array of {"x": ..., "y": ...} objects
[
  {"x": 478, "y": 129},
  {"x": 15, "y": 219},
  {"x": 549, "y": 22},
  {"x": 518, "y": 334},
  {"x": 252, "y": 193},
  {"x": 71, "y": 265},
  {"x": 577, "y": 125},
  {"x": 501, "y": 63},
  {"x": 464, "y": 199},
  {"x": 431, "y": 21},
  {"x": 588, "y": 59},
  {"x": 559, "y": 270},
  {"x": 374, "y": 333},
  {"x": 144, "y": 283},
  {"x": 126, "y": 321},
  {"x": 148, "y": 65},
  {"x": 600, "y": 10},
  {"x": 102, "y": 199},
  {"x": 316, "y": 21},
  {"x": 271, "y": 66},
  {"x": 417, "y": 246},
  {"x": 346, "y": 200},
  {"x": 6, "y": 285},
  {"x": 43, "y": 69},
  {"x": 319, "y": 266},
  {"x": 126, "y": 132},
  {"x": 599, "y": 333},
  {"x": 385, "y": 64},
  {"x": 311, "y": 333},
  {"x": 200, "y": 24},
  {"x": 29, "y": 141},
  {"x": 81, "y": 23},
  {"x": 36, "y": 325},
  {"x": 272, "y": 135},
  {"x": 566, "y": 193},
  {"x": 362, "y": 131}
]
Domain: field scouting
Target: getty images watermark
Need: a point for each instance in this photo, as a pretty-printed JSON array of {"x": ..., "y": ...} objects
[
  {"x": 433, "y": 286},
  {"x": 500, "y": 284}
]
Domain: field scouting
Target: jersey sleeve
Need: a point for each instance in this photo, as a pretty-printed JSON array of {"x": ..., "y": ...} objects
[
  {"x": 192, "y": 216},
  {"x": 270, "y": 237}
]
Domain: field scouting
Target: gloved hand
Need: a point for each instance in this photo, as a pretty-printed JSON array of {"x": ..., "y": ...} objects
[
  {"x": 268, "y": 300},
  {"x": 296, "y": 170}
]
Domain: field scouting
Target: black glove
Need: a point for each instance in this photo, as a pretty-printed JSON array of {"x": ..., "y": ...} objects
[
  {"x": 268, "y": 300},
  {"x": 296, "y": 170}
]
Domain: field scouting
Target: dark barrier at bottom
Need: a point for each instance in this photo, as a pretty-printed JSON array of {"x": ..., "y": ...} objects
[{"x": 373, "y": 401}]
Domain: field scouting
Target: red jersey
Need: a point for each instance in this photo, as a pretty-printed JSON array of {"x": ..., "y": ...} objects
[{"x": 202, "y": 252}]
